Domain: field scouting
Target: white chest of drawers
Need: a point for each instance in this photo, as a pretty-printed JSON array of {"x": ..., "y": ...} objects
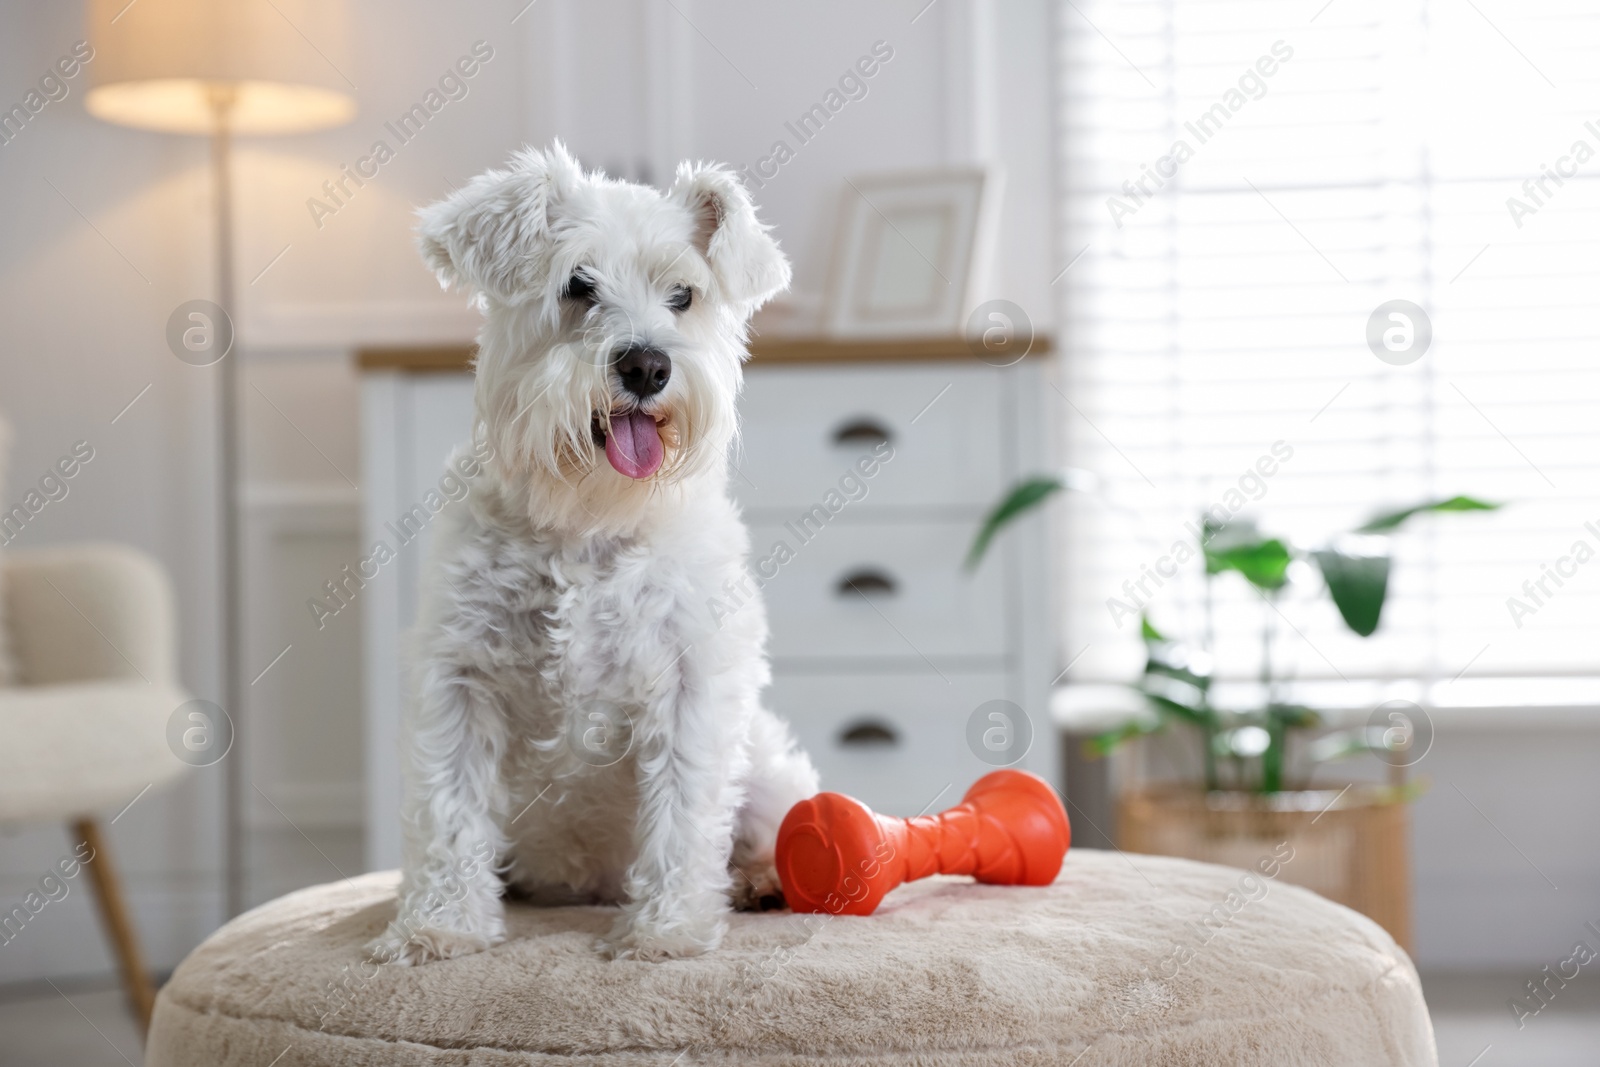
[{"x": 905, "y": 676}]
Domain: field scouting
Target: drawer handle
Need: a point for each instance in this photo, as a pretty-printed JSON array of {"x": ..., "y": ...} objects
[
  {"x": 867, "y": 582},
  {"x": 861, "y": 433},
  {"x": 869, "y": 733}
]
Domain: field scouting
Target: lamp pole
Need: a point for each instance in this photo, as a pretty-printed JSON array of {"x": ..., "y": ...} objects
[{"x": 235, "y": 777}]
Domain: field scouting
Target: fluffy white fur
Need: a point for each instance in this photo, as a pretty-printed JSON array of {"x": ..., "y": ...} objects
[{"x": 566, "y": 612}]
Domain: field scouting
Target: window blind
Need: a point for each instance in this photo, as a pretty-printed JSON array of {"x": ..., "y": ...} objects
[{"x": 1244, "y": 183}]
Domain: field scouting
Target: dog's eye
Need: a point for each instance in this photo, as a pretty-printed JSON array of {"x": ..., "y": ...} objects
[
  {"x": 680, "y": 298},
  {"x": 579, "y": 288}
]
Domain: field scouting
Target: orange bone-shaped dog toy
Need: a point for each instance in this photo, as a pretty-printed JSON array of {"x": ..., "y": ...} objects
[{"x": 834, "y": 854}]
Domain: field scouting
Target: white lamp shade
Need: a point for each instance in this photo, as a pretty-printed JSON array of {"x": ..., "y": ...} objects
[{"x": 161, "y": 64}]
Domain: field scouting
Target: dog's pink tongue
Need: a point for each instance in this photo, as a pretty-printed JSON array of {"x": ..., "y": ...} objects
[{"x": 634, "y": 445}]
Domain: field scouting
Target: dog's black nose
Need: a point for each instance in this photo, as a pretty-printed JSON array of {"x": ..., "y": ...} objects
[{"x": 644, "y": 370}]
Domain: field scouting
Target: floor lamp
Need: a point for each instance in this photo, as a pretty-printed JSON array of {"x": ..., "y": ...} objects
[{"x": 222, "y": 69}]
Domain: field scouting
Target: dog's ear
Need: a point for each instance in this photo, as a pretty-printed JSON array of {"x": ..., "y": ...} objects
[
  {"x": 487, "y": 237},
  {"x": 749, "y": 267}
]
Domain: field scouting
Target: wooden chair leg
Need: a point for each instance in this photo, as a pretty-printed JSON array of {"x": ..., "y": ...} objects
[{"x": 118, "y": 927}]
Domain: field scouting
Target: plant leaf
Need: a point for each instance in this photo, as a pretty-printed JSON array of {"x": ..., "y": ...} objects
[
  {"x": 1264, "y": 563},
  {"x": 1358, "y": 584},
  {"x": 1168, "y": 662},
  {"x": 1217, "y": 539},
  {"x": 1389, "y": 520},
  {"x": 1154, "y": 669},
  {"x": 1189, "y": 692},
  {"x": 1194, "y": 715},
  {"x": 1022, "y": 497}
]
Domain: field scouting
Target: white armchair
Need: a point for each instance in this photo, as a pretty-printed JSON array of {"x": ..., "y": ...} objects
[{"x": 85, "y": 730}]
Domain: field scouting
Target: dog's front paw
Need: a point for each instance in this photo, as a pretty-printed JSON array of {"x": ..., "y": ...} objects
[
  {"x": 631, "y": 939},
  {"x": 427, "y": 944}
]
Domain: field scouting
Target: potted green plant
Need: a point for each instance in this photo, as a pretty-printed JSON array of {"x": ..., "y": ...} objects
[{"x": 1255, "y": 792}]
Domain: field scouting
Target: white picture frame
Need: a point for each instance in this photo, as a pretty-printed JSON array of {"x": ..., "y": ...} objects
[{"x": 911, "y": 253}]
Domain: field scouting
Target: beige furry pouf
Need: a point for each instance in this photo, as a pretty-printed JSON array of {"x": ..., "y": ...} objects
[{"x": 1125, "y": 960}]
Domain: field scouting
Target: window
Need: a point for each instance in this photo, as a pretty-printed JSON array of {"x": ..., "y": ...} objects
[{"x": 1245, "y": 183}]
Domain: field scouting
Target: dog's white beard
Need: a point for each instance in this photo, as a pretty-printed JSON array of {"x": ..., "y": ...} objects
[{"x": 541, "y": 416}]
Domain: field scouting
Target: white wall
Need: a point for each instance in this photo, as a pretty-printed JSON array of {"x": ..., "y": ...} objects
[
  {"x": 1504, "y": 841},
  {"x": 631, "y": 85},
  {"x": 634, "y": 87}
]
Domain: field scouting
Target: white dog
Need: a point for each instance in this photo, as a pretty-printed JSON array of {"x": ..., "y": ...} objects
[{"x": 585, "y": 728}]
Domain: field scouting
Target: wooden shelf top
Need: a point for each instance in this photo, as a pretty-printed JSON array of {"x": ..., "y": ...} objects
[{"x": 764, "y": 351}]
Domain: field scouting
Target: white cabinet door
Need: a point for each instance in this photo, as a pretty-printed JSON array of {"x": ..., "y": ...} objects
[
  {"x": 804, "y": 429},
  {"x": 877, "y": 589}
]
